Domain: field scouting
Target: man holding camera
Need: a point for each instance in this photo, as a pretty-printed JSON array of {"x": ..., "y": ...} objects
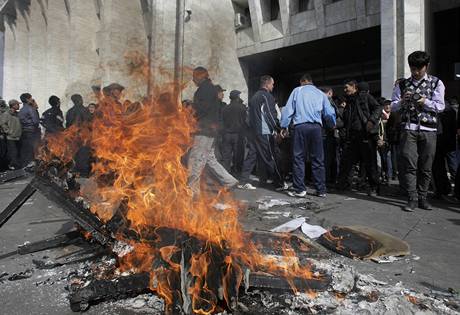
[{"x": 419, "y": 99}]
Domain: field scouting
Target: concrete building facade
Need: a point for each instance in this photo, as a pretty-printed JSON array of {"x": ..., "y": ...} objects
[
  {"x": 371, "y": 39},
  {"x": 63, "y": 47}
]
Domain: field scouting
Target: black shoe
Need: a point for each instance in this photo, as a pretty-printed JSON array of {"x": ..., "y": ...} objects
[
  {"x": 423, "y": 204},
  {"x": 411, "y": 205}
]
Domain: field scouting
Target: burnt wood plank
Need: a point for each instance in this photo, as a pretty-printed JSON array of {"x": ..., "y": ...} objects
[{"x": 17, "y": 203}]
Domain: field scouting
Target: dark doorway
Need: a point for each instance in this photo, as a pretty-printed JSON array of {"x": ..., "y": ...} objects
[
  {"x": 447, "y": 49},
  {"x": 330, "y": 61}
]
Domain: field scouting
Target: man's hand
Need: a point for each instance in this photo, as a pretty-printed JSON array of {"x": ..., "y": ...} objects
[
  {"x": 370, "y": 126},
  {"x": 421, "y": 101},
  {"x": 284, "y": 133}
]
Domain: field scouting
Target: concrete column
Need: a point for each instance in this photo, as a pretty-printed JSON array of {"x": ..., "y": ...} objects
[
  {"x": 256, "y": 18},
  {"x": 285, "y": 12},
  {"x": 414, "y": 29},
  {"x": 320, "y": 18},
  {"x": 402, "y": 32},
  {"x": 389, "y": 48}
]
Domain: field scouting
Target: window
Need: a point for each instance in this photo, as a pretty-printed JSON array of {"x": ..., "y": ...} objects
[
  {"x": 270, "y": 10},
  {"x": 305, "y": 5}
]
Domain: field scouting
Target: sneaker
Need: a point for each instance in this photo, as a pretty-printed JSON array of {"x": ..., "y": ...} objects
[
  {"x": 301, "y": 194},
  {"x": 423, "y": 204},
  {"x": 411, "y": 205},
  {"x": 247, "y": 186},
  {"x": 283, "y": 187},
  {"x": 321, "y": 195}
]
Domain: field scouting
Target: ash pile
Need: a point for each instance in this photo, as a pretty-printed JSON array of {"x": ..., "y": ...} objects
[{"x": 166, "y": 270}]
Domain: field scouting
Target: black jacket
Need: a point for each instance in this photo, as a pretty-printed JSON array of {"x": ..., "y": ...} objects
[
  {"x": 207, "y": 109},
  {"x": 262, "y": 104},
  {"x": 361, "y": 108},
  {"x": 447, "y": 130},
  {"x": 78, "y": 114},
  {"x": 234, "y": 116},
  {"x": 53, "y": 120}
]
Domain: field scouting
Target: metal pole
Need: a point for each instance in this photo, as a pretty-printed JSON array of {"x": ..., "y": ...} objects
[
  {"x": 147, "y": 7},
  {"x": 178, "y": 51}
]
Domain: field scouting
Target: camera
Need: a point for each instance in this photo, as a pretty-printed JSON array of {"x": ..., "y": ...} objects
[{"x": 416, "y": 97}]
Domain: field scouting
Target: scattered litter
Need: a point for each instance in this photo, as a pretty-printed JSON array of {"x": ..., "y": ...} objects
[
  {"x": 265, "y": 204},
  {"x": 122, "y": 248},
  {"x": 286, "y": 214},
  {"x": 43, "y": 265},
  {"x": 270, "y": 217},
  {"x": 349, "y": 199},
  {"x": 416, "y": 257},
  {"x": 289, "y": 226},
  {"x": 385, "y": 259},
  {"x": 222, "y": 206},
  {"x": 21, "y": 275},
  {"x": 312, "y": 231},
  {"x": 274, "y": 213}
]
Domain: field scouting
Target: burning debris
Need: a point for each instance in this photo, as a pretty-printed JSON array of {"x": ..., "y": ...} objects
[{"x": 192, "y": 254}]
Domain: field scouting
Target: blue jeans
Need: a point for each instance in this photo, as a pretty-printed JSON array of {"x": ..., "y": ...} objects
[{"x": 308, "y": 140}]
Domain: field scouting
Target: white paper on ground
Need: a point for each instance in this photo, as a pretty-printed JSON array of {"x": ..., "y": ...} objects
[
  {"x": 312, "y": 231},
  {"x": 289, "y": 226},
  {"x": 265, "y": 204}
]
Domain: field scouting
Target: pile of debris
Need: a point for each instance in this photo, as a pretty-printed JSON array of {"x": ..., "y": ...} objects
[{"x": 333, "y": 288}]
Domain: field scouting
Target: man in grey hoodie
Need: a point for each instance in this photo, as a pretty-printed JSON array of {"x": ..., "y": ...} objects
[
  {"x": 11, "y": 128},
  {"x": 31, "y": 133}
]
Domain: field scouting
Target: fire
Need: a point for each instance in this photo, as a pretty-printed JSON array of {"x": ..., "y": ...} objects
[{"x": 139, "y": 150}]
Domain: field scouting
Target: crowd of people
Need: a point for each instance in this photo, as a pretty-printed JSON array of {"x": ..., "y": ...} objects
[
  {"x": 22, "y": 129},
  {"x": 331, "y": 142}
]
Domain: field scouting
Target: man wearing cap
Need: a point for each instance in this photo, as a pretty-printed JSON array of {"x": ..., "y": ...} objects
[
  {"x": 10, "y": 126},
  {"x": 206, "y": 106},
  {"x": 114, "y": 91},
  {"x": 53, "y": 119},
  {"x": 234, "y": 122}
]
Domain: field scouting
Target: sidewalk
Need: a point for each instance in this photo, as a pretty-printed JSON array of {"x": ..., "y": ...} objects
[{"x": 434, "y": 263}]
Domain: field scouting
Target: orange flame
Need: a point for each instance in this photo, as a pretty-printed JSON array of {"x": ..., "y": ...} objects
[{"x": 138, "y": 150}]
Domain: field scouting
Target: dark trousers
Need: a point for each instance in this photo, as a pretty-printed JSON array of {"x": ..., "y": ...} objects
[
  {"x": 457, "y": 183},
  {"x": 29, "y": 146},
  {"x": 440, "y": 180},
  {"x": 232, "y": 152},
  {"x": 383, "y": 152},
  {"x": 262, "y": 152},
  {"x": 3, "y": 153},
  {"x": 359, "y": 148},
  {"x": 453, "y": 160},
  {"x": 13, "y": 153},
  {"x": 417, "y": 155},
  {"x": 331, "y": 158},
  {"x": 394, "y": 148},
  {"x": 308, "y": 141}
]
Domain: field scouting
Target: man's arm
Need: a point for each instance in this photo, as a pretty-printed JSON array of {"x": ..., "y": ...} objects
[
  {"x": 396, "y": 98},
  {"x": 288, "y": 111},
  {"x": 328, "y": 113},
  {"x": 270, "y": 113},
  {"x": 4, "y": 127},
  {"x": 437, "y": 101},
  {"x": 375, "y": 110}
]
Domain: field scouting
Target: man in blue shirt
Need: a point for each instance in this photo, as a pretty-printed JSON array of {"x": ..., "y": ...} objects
[{"x": 307, "y": 108}]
